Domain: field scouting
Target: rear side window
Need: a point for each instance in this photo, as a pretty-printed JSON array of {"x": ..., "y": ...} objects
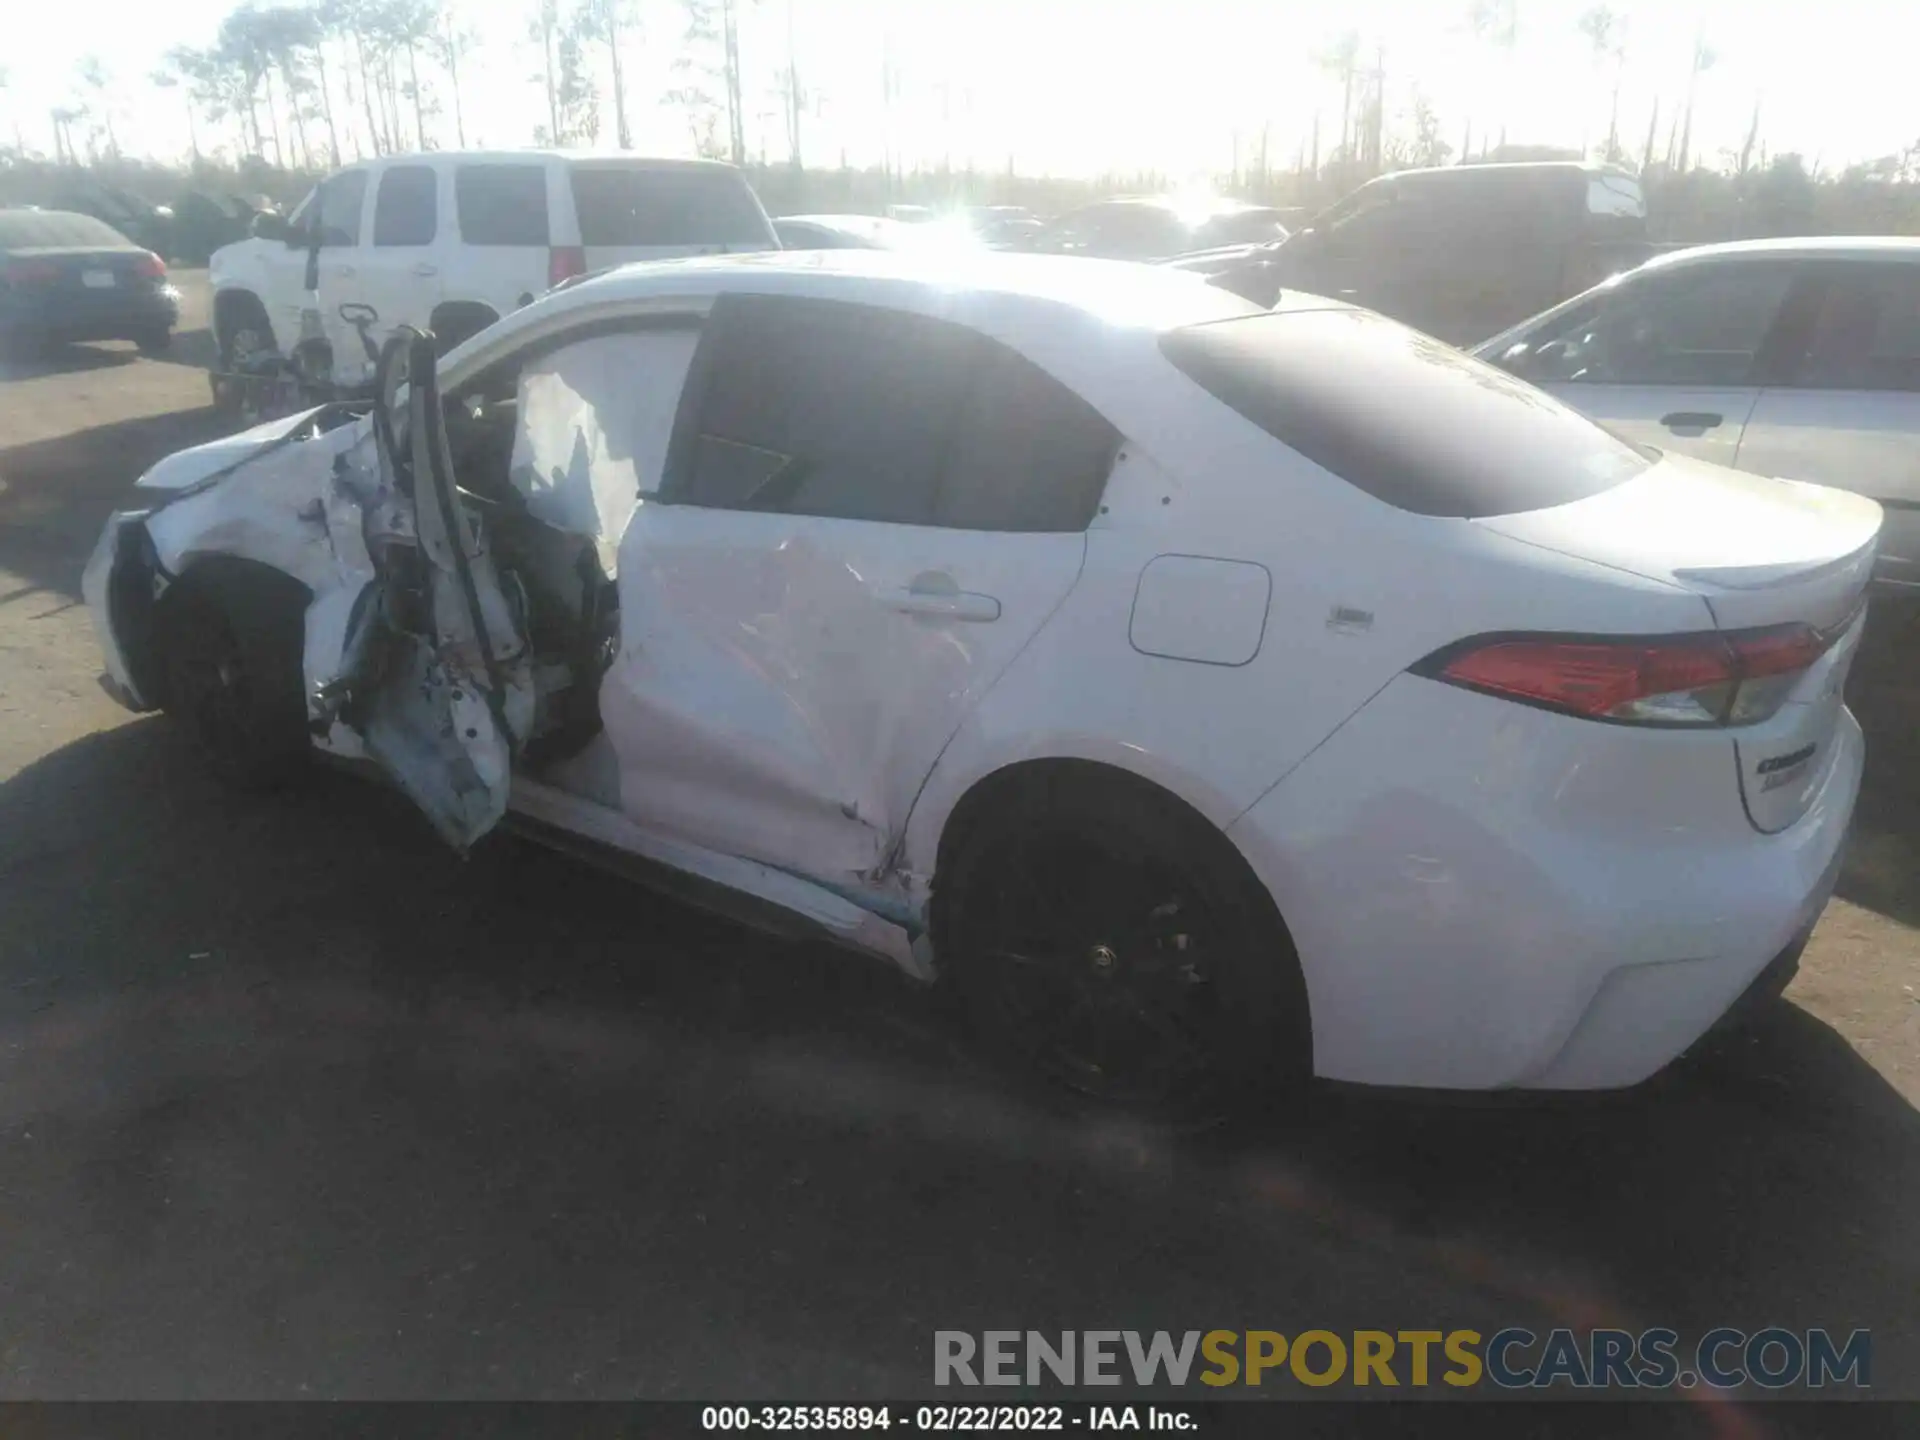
[
  {"x": 814, "y": 407},
  {"x": 1028, "y": 454},
  {"x": 1698, "y": 325},
  {"x": 501, "y": 204},
  {"x": 1867, "y": 333},
  {"x": 406, "y": 206},
  {"x": 1395, "y": 413},
  {"x": 632, "y": 205}
]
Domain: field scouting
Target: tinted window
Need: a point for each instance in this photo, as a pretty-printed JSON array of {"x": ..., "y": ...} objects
[
  {"x": 815, "y": 408},
  {"x": 1363, "y": 222},
  {"x": 406, "y": 206},
  {"x": 33, "y": 229},
  {"x": 1697, "y": 326},
  {"x": 1867, "y": 334},
  {"x": 501, "y": 204},
  {"x": 341, "y": 201},
  {"x": 1401, "y": 416},
  {"x": 1027, "y": 454},
  {"x": 629, "y": 205}
]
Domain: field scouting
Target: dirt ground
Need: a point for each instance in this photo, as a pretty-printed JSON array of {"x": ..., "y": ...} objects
[{"x": 295, "y": 1103}]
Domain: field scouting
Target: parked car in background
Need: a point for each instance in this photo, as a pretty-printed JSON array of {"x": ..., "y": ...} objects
[
  {"x": 837, "y": 232},
  {"x": 1002, "y": 227},
  {"x": 65, "y": 277},
  {"x": 1458, "y": 251},
  {"x": 1155, "y": 227},
  {"x": 452, "y": 241},
  {"x": 205, "y": 220},
  {"x": 1798, "y": 358},
  {"x": 872, "y": 232},
  {"x": 139, "y": 219},
  {"x": 1211, "y": 696}
]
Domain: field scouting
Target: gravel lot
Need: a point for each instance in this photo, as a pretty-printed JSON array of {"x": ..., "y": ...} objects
[{"x": 295, "y": 1103}]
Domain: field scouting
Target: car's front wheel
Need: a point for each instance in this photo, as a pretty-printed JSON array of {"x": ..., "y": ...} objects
[
  {"x": 154, "y": 342},
  {"x": 231, "y": 641},
  {"x": 1115, "y": 941}
]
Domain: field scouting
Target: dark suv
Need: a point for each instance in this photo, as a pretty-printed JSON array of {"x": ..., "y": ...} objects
[{"x": 1460, "y": 252}]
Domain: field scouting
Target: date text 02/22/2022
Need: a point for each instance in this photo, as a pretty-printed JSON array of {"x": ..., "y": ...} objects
[{"x": 936, "y": 1419}]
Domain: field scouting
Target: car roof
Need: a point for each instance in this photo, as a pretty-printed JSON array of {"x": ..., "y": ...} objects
[
  {"x": 1114, "y": 290},
  {"x": 1507, "y": 167},
  {"x": 835, "y": 222},
  {"x": 1794, "y": 247},
  {"x": 570, "y": 157}
]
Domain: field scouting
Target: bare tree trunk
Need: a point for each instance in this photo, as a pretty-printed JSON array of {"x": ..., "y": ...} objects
[
  {"x": 258, "y": 145},
  {"x": 793, "y": 93},
  {"x": 299, "y": 121},
  {"x": 390, "y": 97},
  {"x": 735, "y": 118},
  {"x": 453, "y": 76},
  {"x": 366, "y": 95},
  {"x": 620, "y": 130},
  {"x": 553, "y": 98},
  {"x": 273, "y": 122},
  {"x": 419, "y": 110},
  {"x": 1346, "y": 117},
  {"x": 326, "y": 100},
  {"x": 1653, "y": 129},
  {"x": 1613, "y": 117}
]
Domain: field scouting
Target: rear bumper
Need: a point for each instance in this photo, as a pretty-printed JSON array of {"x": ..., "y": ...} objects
[
  {"x": 1486, "y": 896},
  {"x": 123, "y": 314}
]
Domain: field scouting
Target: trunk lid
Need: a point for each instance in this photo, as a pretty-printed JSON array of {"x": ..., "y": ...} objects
[
  {"x": 1758, "y": 551},
  {"x": 1761, "y": 553},
  {"x": 84, "y": 268}
]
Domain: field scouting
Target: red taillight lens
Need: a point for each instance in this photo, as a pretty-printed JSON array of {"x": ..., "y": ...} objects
[
  {"x": 32, "y": 272},
  {"x": 1735, "y": 678},
  {"x": 1603, "y": 680},
  {"x": 564, "y": 262},
  {"x": 150, "y": 266}
]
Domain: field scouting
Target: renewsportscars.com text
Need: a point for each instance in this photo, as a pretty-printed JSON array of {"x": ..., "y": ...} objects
[{"x": 1509, "y": 1359}]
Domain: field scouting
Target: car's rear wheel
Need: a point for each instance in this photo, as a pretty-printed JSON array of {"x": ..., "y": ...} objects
[
  {"x": 231, "y": 644},
  {"x": 154, "y": 342},
  {"x": 1113, "y": 941}
]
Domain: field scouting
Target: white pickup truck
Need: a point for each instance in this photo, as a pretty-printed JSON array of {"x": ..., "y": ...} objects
[{"x": 450, "y": 242}]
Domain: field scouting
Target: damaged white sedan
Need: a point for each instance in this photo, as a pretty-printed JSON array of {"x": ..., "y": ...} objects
[{"x": 1209, "y": 693}]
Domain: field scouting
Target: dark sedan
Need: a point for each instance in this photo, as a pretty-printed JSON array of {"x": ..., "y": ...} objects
[{"x": 71, "y": 277}]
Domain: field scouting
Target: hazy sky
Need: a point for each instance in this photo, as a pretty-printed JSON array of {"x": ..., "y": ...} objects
[{"x": 1078, "y": 86}]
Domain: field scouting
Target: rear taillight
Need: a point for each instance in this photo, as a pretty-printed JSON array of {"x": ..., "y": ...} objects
[
  {"x": 31, "y": 272},
  {"x": 150, "y": 266},
  {"x": 564, "y": 262},
  {"x": 1728, "y": 679}
]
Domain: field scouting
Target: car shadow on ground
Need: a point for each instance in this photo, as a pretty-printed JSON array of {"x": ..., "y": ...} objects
[
  {"x": 1883, "y": 851},
  {"x": 191, "y": 348},
  {"x": 55, "y": 495},
  {"x": 294, "y": 1100}
]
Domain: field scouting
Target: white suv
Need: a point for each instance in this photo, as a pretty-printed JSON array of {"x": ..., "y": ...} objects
[{"x": 451, "y": 242}]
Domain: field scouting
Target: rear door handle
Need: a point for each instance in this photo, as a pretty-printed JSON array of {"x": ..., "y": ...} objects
[
  {"x": 922, "y": 598},
  {"x": 426, "y": 268},
  {"x": 1690, "y": 420}
]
